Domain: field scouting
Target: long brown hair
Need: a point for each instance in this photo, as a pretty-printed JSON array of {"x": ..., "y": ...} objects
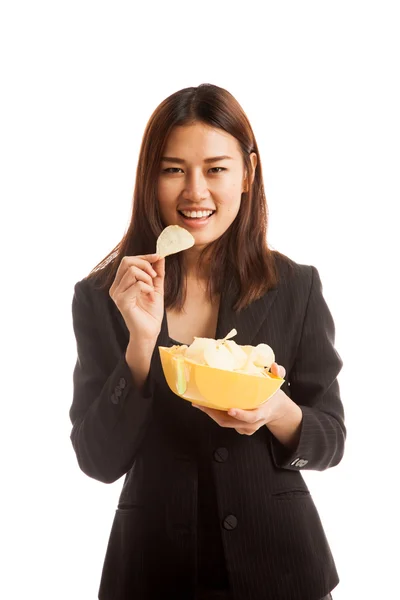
[{"x": 241, "y": 256}]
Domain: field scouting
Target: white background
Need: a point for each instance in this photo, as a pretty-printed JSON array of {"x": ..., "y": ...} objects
[{"x": 319, "y": 82}]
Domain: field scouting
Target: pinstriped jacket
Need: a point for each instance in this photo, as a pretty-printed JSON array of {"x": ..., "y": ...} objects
[{"x": 277, "y": 549}]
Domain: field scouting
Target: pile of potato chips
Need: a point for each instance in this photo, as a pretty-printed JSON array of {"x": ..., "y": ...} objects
[{"x": 228, "y": 355}]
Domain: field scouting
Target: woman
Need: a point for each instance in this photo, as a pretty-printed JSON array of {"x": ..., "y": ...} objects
[{"x": 213, "y": 503}]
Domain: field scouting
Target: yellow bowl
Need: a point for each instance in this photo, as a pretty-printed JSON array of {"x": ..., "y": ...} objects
[{"x": 215, "y": 388}]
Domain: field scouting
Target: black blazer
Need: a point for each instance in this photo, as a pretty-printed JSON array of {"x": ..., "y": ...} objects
[{"x": 277, "y": 548}]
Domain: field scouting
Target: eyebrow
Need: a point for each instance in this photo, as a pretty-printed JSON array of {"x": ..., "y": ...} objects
[{"x": 206, "y": 160}]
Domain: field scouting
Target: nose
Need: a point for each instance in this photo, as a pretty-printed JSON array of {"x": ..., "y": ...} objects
[{"x": 196, "y": 188}]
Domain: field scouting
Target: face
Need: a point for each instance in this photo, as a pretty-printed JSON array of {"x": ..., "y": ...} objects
[{"x": 197, "y": 190}]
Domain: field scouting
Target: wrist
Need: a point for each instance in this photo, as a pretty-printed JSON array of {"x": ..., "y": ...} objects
[
  {"x": 143, "y": 349},
  {"x": 280, "y": 406},
  {"x": 285, "y": 421},
  {"x": 138, "y": 358}
]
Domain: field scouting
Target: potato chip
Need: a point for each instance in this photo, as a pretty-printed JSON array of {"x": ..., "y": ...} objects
[
  {"x": 237, "y": 352},
  {"x": 247, "y": 349},
  {"x": 251, "y": 369},
  {"x": 173, "y": 239},
  {"x": 263, "y": 356},
  {"x": 219, "y": 357},
  {"x": 231, "y": 334},
  {"x": 178, "y": 350},
  {"x": 196, "y": 349}
]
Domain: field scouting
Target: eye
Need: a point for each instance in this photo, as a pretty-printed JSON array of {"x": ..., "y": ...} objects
[
  {"x": 220, "y": 169},
  {"x": 174, "y": 169}
]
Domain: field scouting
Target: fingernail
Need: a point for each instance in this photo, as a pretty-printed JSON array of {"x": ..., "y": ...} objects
[{"x": 233, "y": 413}]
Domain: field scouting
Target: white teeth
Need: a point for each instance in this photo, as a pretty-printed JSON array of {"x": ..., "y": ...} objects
[{"x": 197, "y": 214}]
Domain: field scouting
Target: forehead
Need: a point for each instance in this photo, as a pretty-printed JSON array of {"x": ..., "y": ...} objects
[{"x": 201, "y": 141}]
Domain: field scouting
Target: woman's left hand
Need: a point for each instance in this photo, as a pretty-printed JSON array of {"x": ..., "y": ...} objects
[{"x": 248, "y": 422}]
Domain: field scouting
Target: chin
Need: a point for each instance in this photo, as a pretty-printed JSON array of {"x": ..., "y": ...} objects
[{"x": 201, "y": 241}]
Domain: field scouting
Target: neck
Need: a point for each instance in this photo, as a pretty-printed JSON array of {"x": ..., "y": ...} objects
[{"x": 191, "y": 265}]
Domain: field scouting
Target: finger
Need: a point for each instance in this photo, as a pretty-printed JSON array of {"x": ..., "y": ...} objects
[
  {"x": 134, "y": 262},
  {"x": 131, "y": 276},
  {"x": 145, "y": 265},
  {"x": 142, "y": 261},
  {"x": 223, "y": 419},
  {"x": 278, "y": 370},
  {"x": 159, "y": 268},
  {"x": 144, "y": 287},
  {"x": 246, "y": 431},
  {"x": 151, "y": 258},
  {"x": 139, "y": 288},
  {"x": 247, "y": 416},
  {"x": 219, "y": 416}
]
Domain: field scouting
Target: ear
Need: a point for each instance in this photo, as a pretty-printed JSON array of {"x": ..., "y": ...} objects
[{"x": 253, "y": 158}]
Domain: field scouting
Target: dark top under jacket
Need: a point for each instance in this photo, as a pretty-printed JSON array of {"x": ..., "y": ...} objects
[
  {"x": 273, "y": 546},
  {"x": 211, "y": 567}
]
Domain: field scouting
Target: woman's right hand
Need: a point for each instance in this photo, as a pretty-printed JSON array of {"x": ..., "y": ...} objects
[{"x": 138, "y": 292}]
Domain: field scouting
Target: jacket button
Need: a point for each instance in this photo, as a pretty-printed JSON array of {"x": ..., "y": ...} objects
[
  {"x": 114, "y": 399},
  {"x": 221, "y": 455},
  {"x": 122, "y": 383},
  {"x": 230, "y": 522}
]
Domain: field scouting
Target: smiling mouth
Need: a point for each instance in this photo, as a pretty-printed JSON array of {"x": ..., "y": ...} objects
[{"x": 198, "y": 214}]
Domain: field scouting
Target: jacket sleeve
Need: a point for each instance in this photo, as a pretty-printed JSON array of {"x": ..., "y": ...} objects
[
  {"x": 314, "y": 387},
  {"x": 108, "y": 413}
]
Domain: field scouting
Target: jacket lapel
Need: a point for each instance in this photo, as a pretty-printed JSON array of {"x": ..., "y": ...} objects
[{"x": 248, "y": 321}]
